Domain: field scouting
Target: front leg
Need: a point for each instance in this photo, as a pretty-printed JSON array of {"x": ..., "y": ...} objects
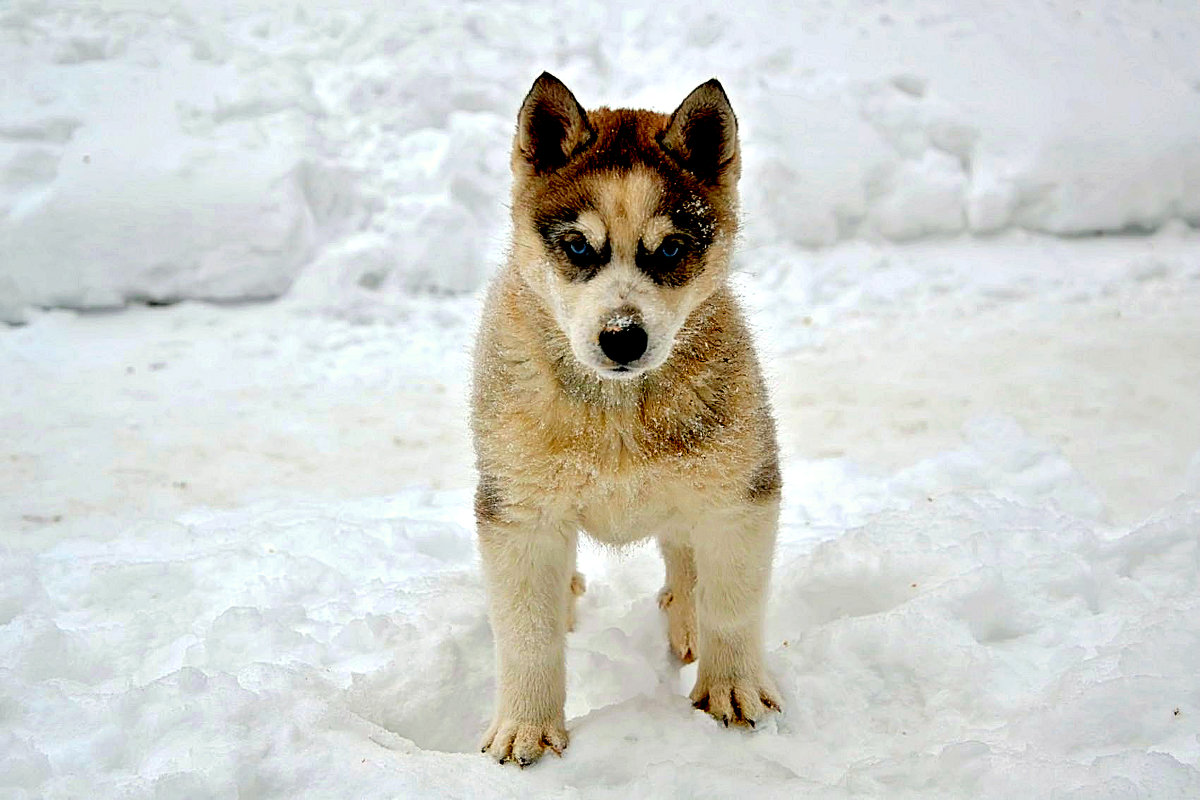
[
  {"x": 733, "y": 564},
  {"x": 528, "y": 570}
]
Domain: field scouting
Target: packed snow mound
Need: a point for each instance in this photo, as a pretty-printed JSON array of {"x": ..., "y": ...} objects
[
  {"x": 187, "y": 149},
  {"x": 958, "y": 645},
  {"x": 142, "y": 159}
]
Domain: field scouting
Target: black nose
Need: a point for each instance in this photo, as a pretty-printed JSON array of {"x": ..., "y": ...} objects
[{"x": 624, "y": 344}]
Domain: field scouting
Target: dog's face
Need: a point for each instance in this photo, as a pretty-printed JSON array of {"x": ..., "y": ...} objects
[{"x": 623, "y": 220}]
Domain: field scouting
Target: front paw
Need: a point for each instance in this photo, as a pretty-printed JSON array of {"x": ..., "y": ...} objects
[
  {"x": 523, "y": 742},
  {"x": 741, "y": 700}
]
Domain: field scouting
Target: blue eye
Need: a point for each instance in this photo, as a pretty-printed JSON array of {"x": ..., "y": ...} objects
[
  {"x": 670, "y": 249},
  {"x": 578, "y": 247}
]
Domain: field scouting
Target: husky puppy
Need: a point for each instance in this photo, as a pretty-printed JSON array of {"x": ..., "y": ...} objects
[{"x": 616, "y": 392}]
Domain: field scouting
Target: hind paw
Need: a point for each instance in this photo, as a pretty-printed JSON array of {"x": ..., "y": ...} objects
[
  {"x": 681, "y": 625},
  {"x": 578, "y": 587}
]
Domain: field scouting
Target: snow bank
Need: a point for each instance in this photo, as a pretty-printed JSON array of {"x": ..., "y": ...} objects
[
  {"x": 209, "y": 150},
  {"x": 144, "y": 159},
  {"x": 959, "y": 645}
]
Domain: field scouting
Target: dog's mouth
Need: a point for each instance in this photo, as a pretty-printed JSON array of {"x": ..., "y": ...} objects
[
  {"x": 619, "y": 372},
  {"x": 604, "y": 368}
]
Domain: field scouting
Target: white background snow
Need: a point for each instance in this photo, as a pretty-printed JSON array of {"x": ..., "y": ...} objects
[{"x": 236, "y": 551}]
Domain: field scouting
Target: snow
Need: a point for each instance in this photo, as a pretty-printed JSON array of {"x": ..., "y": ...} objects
[{"x": 236, "y": 546}]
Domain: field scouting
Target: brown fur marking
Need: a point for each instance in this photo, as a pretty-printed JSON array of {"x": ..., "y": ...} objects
[
  {"x": 488, "y": 503},
  {"x": 766, "y": 483},
  {"x": 627, "y": 141}
]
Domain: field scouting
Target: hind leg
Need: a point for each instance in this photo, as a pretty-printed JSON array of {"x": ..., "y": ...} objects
[
  {"x": 578, "y": 587},
  {"x": 677, "y": 599},
  {"x": 575, "y": 589}
]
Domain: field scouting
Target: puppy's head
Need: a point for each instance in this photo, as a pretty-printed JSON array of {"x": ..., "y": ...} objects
[{"x": 623, "y": 220}]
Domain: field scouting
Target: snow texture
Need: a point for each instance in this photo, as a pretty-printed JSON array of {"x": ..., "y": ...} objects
[{"x": 236, "y": 544}]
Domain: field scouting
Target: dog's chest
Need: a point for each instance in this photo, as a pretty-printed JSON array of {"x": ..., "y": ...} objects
[
  {"x": 624, "y": 472},
  {"x": 595, "y": 444}
]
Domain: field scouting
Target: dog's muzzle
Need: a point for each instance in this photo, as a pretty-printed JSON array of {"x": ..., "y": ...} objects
[{"x": 623, "y": 339}]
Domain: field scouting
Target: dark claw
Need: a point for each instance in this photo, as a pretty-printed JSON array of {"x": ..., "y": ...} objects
[
  {"x": 524, "y": 762},
  {"x": 752, "y": 723},
  {"x": 701, "y": 704},
  {"x": 737, "y": 709},
  {"x": 726, "y": 721}
]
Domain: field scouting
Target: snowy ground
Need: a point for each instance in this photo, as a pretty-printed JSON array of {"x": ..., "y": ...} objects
[{"x": 236, "y": 555}]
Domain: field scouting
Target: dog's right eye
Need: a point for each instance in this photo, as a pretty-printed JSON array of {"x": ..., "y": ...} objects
[
  {"x": 580, "y": 261},
  {"x": 580, "y": 251}
]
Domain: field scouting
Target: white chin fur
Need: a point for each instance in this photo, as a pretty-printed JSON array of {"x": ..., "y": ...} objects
[
  {"x": 607, "y": 370},
  {"x": 614, "y": 374}
]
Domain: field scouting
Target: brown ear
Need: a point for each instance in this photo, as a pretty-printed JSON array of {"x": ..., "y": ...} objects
[
  {"x": 702, "y": 133},
  {"x": 552, "y": 127}
]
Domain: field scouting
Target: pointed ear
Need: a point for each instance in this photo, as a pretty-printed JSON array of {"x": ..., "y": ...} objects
[
  {"x": 552, "y": 127},
  {"x": 702, "y": 133}
]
